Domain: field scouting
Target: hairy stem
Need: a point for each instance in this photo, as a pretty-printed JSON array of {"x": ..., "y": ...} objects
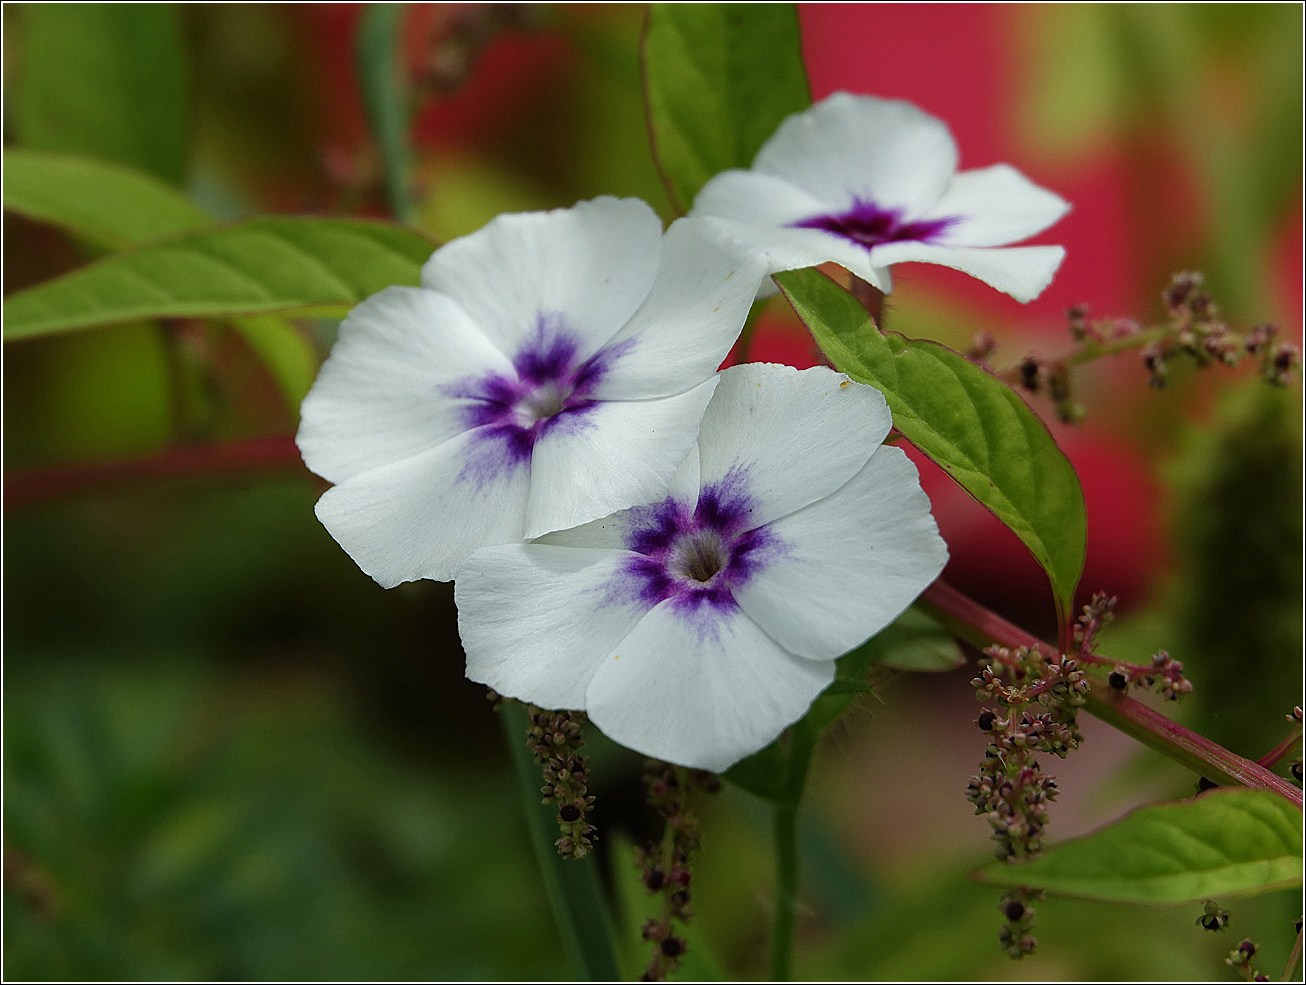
[
  {"x": 785, "y": 826},
  {"x": 972, "y": 622}
]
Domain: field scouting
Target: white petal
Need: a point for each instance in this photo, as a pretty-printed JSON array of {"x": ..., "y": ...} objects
[
  {"x": 610, "y": 532},
  {"x": 377, "y": 398},
  {"x": 888, "y": 151},
  {"x": 756, "y": 197},
  {"x": 794, "y": 435},
  {"x": 618, "y": 454},
  {"x": 690, "y": 319},
  {"x": 1021, "y": 271},
  {"x": 703, "y": 699},
  {"x": 996, "y": 206},
  {"x": 422, "y": 516},
  {"x": 592, "y": 264},
  {"x": 854, "y": 561},
  {"x": 792, "y": 249},
  {"x": 537, "y": 621}
]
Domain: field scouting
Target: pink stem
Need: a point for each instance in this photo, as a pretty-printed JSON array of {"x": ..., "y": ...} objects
[{"x": 976, "y": 624}]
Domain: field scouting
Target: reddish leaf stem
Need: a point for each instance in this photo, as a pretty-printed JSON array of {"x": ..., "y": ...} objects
[
  {"x": 1282, "y": 749},
  {"x": 972, "y": 622},
  {"x": 231, "y": 458}
]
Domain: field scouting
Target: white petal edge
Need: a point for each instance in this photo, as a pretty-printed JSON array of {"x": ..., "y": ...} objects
[
  {"x": 853, "y": 562},
  {"x": 691, "y": 318},
  {"x": 996, "y": 206},
  {"x": 620, "y": 454},
  {"x": 536, "y": 621},
  {"x": 1021, "y": 271},
  {"x": 885, "y": 150},
  {"x": 377, "y": 397},
  {"x": 701, "y": 699},
  {"x": 423, "y": 516},
  {"x": 610, "y": 532},
  {"x": 796, "y": 435},
  {"x": 593, "y": 264}
]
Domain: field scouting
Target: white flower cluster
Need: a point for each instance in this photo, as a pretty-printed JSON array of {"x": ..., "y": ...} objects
[{"x": 680, "y": 553}]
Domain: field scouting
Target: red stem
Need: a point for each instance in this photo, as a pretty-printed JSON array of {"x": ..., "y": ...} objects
[
  {"x": 976, "y": 624},
  {"x": 1281, "y": 750},
  {"x": 232, "y": 458}
]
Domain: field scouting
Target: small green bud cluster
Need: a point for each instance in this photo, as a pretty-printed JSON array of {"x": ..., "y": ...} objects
[
  {"x": 1036, "y": 714},
  {"x": 1016, "y": 935},
  {"x": 664, "y": 866},
  {"x": 555, "y": 738},
  {"x": 1213, "y": 917}
]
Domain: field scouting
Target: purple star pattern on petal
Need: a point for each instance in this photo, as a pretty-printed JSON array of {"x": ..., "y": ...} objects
[
  {"x": 869, "y": 225},
  {"x": 697, "y": 558},
  {"x": 552, "y": 388}
]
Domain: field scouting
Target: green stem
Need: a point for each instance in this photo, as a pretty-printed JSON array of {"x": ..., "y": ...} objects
[
  {"x": 573, "y": 886},
  {"x": 379, "y": 59},
  {"x": 786, "y": 890}
]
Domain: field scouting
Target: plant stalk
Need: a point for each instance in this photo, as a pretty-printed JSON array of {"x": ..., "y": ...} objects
[
  {"x": 786, "y": 890},
  {"x": 970, "y": 621}
]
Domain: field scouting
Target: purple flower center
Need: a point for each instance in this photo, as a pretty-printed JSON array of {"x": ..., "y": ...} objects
[
  {"x": 697, "y": 558},
  {"x": 869, "y": 225},
  {"x": 551, "y": 387}
]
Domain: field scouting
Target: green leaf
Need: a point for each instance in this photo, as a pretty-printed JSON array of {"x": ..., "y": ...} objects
[
  {"x": 385, "y": 94},
  {"x": 253, "y": 267},
  {"x": 913, "y": 641},
  {"x": 718, "y": 79},
  {"x": 965, "y": 419},
  {"x": 1224, "y": 842},
  {"x": 107, "y": 80},
  {"x": 285, "y": 350},
  {"x": 109, "y": 204},
  {"x": 573, "y": 885}
]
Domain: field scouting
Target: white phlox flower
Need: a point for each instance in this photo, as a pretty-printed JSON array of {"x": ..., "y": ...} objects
[
  {"x": 696, "y": 628},
  {"x": 552, "y": 368},
  {"x": 867, "y": 183}
]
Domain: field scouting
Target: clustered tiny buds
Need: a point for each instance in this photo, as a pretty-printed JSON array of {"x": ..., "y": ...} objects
[
  {"x": 1213, "y": 918},
  {"x": 1241, "y": 959},
  {"x": 1164, "y": 673},
  {"x": 555, "y": 739},
  {"x": 1016, "y": 935},
  {"x": 664, "y": 866},
  {"x": 1038, "y": 715}
]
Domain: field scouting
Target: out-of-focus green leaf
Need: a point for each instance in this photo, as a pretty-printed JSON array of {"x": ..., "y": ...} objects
[
  {"x": 107, "y": 80},
  {"x": 1224, "y": 842},
  {"x": 253, "y": 267},
  {"x": 575, "y": 891},
  {"x": 284, "y": 349},
  {"x": 913, "y": 641},
  {"x": 965, "y": 419},
  {"x": 718, "y": 79},
  {"x": 385, "y": 94},
  {"x": 111, "y": 205}
]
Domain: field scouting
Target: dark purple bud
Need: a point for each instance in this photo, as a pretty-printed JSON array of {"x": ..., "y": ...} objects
[
  {"x": 986, "y": 720},
  {"x": 1015, "y": 910},
  {"x": 1117, "y": 680},
  {"x": 569, "y": 813},
  {"x": 673, "y": 947}
]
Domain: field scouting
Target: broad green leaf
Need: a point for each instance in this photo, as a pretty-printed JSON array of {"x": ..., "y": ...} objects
[
  {"x": 285, "y": 350},
  {"x": 718, "y": 79},
  {"x": 109, "y": 204},
  {"x": 252, "y": 267},
  {"x": 913, "y": 641},
  {"x": 574, "y": 888},
  {"x": 1224, "y": 842},
  {"x": 965, "y": 419},
  {"x": 385, "y": 94},
  {"x": 107, "y": 80}
]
